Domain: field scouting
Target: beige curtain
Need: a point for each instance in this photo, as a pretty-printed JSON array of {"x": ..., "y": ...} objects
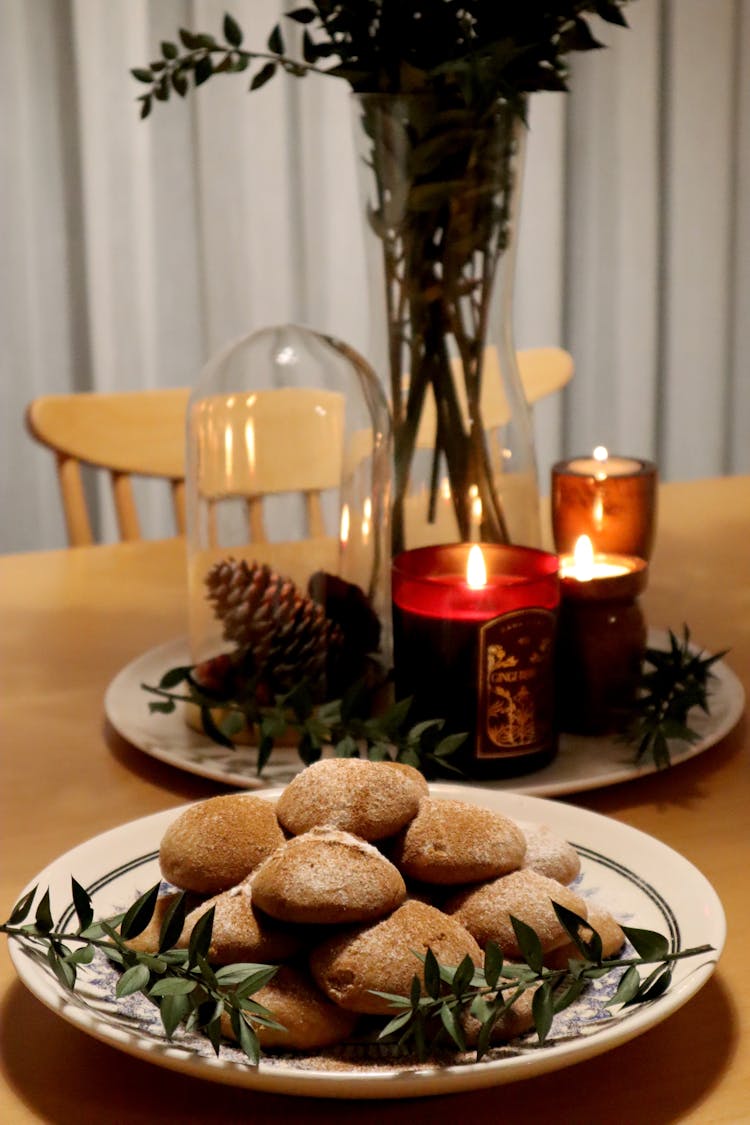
[{"x": 132, "y": 250}]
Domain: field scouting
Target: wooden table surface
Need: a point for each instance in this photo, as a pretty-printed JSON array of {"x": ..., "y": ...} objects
[{"x": 71, "y": 619}]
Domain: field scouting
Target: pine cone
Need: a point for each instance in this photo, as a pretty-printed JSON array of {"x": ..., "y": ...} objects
[{"x": 286, "y": 634}]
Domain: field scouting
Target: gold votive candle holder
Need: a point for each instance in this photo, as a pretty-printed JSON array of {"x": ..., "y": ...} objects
[{"x": 613, "y": 500}]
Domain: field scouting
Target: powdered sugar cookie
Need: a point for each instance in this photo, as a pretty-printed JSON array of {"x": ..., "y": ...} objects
[
  {"x": 457, "y": 842},
  {"x": 549, "y": 854},
  {"x": 242, "y": 933},
  {"x": 486, "y": 910},
  {"x": 309, "y": 1020},
  {"x": 383, "y": 956},
  {"x": 368, "y": 799},
  {"x": 215, "y": 844},
  {"x": 327, "y": 877}
]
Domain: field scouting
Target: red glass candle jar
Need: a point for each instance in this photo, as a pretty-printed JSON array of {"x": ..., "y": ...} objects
[
  {"x": 610, "y": 499},
  {"x": 480, "y": 656},
  {"x": 601, "y": 642}
]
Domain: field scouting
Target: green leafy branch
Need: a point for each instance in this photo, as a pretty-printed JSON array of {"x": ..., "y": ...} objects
[
  {"x": 455, "y": 995},
  {"x": 185, "y": 988},
  {"x": 204, "y": 57},
  {"x": 347, "y": 724},
  {"x": 674, "y": 681},
  {"x": 375, "y": 46},
  {"x": 189, "y": 992}
]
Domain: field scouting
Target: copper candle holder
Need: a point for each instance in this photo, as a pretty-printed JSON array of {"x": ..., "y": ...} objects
[
  {"x": 601, "y": 643},
  {"x": 610, "y": 499}
]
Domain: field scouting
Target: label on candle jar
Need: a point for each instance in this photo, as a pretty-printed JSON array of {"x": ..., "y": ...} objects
[{"x": 516, "y": 684}]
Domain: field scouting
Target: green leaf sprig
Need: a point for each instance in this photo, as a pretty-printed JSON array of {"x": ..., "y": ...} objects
[
  {"x": 181, "y": 983},
  {"x": 483, "y": 50},
  {"x": 347, "y": 724},
  {"x": 189, "y": 992},
  {"x": 674, "y": 681},
  {"x": 204, "y": 56},
  {"x": 452, "y": 995}
]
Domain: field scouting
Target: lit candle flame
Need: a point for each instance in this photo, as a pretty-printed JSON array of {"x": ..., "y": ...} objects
[
  {"x": 585, "y": 565},
  {"x": 583, "y": 558},
  {"x": 344, "y": 533},
  {"x": 601, "y": 454},
  {"x": 476, "y": 570}
]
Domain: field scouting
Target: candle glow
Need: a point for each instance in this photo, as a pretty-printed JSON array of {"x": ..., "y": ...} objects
[
  {"x": 366, "y": 517},
  {"x": 228, "y": 447},
  {"x": 611, "y": 499},
  {"x": 601, "y": 466},
  {"x": 583, "y": 558},
  {"x": 476, "y": 514},
  {"x": 601, "y": 454},
  {"x": 344, "y": 529},
  {"x": 473, "y": 635},
  {"x": 585, "y": 566},
  {"x": 476, "y": 569},
  {"x": 601, "y": 637}
]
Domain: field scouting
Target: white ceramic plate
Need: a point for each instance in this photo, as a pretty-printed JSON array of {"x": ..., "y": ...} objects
[
  {"x": 583, "y": 762},
  {"x": 643, "y": 882}
]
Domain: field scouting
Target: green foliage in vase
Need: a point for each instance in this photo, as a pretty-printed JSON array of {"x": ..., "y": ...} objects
[
  {"x": 480, "y": 49},
  {"x": 443, "y": 84},
  {"x": 190, "y": 992}
]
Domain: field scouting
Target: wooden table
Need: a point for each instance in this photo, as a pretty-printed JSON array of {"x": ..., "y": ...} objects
[{"x": 71, "y": 619}]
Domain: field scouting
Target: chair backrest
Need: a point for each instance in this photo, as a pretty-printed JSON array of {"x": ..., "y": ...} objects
[
  {"x": 286, "y": 440},
  {"x": 295, "y": 446},
  {"x": 140, "y": 433},
  {"x": 543, "y": 371}
]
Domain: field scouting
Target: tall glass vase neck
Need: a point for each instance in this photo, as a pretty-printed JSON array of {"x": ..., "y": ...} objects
[{"x": 441, "y": 186}]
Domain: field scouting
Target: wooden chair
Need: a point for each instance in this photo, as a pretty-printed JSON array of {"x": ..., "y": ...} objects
[
  {"x": 248, "y": 454},
  {"x": 142, "y": 433},
  {"x": 139, "y": 433},
  {"x": 543, "y": 372},
  {"x": 295, "y": 448}
]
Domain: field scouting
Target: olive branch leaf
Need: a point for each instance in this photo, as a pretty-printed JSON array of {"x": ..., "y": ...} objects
[{"x": 188, "y": 991}]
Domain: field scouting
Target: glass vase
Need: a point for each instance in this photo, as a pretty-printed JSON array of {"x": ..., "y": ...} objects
[
  {"x": 441, "y": 187},
  {"x": 288, "y": 482}
]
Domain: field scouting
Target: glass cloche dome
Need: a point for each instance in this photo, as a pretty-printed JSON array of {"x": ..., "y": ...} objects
[{"x": 288, "y": 493}]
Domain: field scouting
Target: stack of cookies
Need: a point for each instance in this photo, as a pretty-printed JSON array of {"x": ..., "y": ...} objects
[{"x": 349, "y": 876}]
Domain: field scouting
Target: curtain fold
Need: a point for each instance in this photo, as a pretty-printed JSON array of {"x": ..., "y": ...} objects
[{"x": 133, "y": 250}]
